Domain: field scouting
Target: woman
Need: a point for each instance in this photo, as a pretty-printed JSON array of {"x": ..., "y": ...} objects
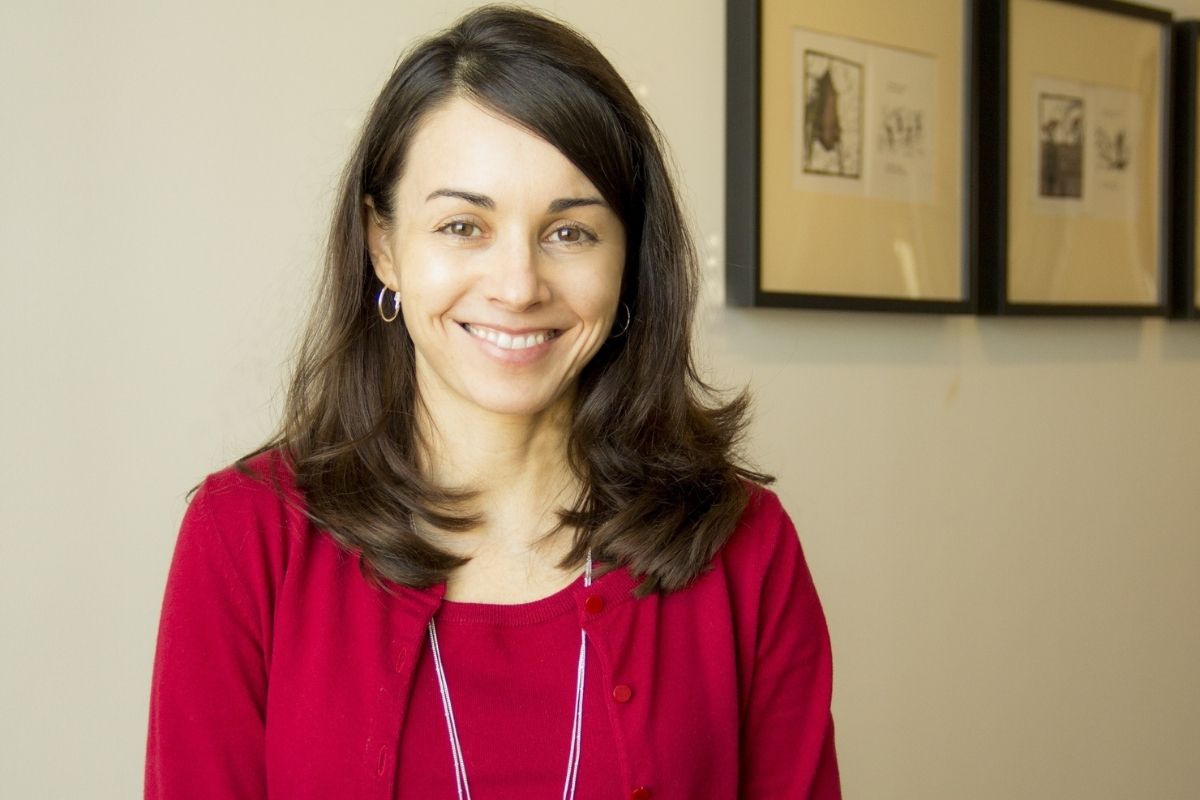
[{"x": 501, "y": 547}]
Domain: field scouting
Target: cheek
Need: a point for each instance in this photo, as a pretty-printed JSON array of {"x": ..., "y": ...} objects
[
  {"x": 429, "y": 282},
  {"x": 597, "y": 289}
]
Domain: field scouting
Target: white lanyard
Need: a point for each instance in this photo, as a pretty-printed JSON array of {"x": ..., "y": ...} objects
[{"x": 460, "y": 767}]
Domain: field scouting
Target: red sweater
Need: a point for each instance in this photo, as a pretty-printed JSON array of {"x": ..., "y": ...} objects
[
  {"x": 511, "y": 670},
  {"x": 282, "y": 673}
]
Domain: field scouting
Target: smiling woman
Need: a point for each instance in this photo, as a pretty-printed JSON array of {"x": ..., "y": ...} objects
[
  {"x": 510, "y": 286},
  {"x": 502, "y": 540}
]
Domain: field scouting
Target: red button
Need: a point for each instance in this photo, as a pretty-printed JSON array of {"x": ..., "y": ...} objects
[
  {"x": 640, "y": 793},
  {"x": 594, "y": 604},
  {"x": 622, "y": 693}
]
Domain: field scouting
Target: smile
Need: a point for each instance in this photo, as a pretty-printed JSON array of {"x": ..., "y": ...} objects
[{"x": 508, "y": 341}]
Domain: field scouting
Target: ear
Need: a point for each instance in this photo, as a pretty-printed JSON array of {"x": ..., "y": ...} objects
[{"x": 379, "y": 245}]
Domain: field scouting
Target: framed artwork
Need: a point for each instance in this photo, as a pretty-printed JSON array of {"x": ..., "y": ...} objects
[
  {"x": 1185, "y": 215},
  {"x": 847, "y": 155},
  {"x": 1073, "y": 195}
]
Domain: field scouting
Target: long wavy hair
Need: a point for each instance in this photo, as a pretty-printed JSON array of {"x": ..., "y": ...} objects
[{"x": 652, "y": 445}]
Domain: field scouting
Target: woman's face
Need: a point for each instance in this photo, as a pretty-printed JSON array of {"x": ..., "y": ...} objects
[{"x": 507, "y": 260}]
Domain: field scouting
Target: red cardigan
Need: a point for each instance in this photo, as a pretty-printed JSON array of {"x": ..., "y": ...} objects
[{"x": 282, "y": 673}]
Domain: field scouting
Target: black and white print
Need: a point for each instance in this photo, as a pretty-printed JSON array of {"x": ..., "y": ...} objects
[
  {"x": 833, "y": 101},
  {"x": 1061, "y": 129}
]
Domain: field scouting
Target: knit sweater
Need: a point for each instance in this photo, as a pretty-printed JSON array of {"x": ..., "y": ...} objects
[{"x": 281, "y": 672}]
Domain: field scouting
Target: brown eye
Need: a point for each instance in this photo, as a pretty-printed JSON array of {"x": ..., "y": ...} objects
[
  {"x": 460, "y": 228},
  {"x": 571, "y": 234}
]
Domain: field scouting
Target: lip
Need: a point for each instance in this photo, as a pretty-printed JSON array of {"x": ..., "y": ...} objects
[
  {"x": 525, "y": 355},
  {"x": 511, "y": 331}
]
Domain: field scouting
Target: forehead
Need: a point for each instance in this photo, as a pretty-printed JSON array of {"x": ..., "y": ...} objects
[{"x": 462, "y": 145}]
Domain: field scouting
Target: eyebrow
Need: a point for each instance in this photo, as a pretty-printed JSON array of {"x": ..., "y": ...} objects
[{"x": 483, "y": 201}]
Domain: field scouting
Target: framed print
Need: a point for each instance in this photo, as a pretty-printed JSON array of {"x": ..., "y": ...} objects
[
  {"x": 1072, "y": 187},
  {"x": 1185, "y": 215},
  {"x": 847, "y": 155}
]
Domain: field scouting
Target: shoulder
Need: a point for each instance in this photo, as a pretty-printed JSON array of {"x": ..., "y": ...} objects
[
  {"x": 260, "y": 480},
  {"x": 252, "y": 511},
  {"x": 763, "y": 535},
  {"x": 260, "y": 489},
  {"x": 763, "y": 563}
]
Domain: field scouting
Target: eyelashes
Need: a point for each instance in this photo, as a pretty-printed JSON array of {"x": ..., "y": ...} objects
[
  {"x": 571, "y": 234},
  {"x": 459, "y": 228},
  {"x": 579, "y": 234}
]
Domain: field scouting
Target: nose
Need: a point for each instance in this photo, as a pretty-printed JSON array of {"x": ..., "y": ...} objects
[{"x": 515, "y": 276}]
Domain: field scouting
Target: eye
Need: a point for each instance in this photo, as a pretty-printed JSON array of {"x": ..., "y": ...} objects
[
  {"x": 571, "y": 234},
  {"x": 460, "y": 228}
]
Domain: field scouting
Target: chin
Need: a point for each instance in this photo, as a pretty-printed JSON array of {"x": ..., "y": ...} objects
[
  {"x": 517, "y": 404},
  {"x": 518, "y": 408}
]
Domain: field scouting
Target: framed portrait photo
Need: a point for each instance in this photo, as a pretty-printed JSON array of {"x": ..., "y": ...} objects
[
  {"x": 848, "y": 155},
  {"x": 1185, "y": 214},
  {"x": 1073, "y": 187}
]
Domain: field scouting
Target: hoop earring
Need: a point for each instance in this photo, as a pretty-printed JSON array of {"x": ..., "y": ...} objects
[
  {"x": 625, "y": 327},
  {"x": 395, "y": 305}
]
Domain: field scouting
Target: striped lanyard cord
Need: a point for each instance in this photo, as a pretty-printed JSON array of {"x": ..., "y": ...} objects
[{"x": 460, "y": 766}]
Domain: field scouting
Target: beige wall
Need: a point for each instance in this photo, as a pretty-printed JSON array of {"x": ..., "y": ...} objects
[{"x": 1000, "y": 514}]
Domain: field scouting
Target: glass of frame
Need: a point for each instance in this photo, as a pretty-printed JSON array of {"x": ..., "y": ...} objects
[
  {"x": 1185, "y": 213},
  {"x": 1073, "y": 180},
  {"x": 847, "y": 156}
]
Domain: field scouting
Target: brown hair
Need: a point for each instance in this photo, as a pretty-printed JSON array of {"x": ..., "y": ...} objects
[{"x": 650, "y": 443}]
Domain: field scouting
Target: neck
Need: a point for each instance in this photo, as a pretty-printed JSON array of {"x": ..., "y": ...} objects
[{"x": 515, "y": 465}]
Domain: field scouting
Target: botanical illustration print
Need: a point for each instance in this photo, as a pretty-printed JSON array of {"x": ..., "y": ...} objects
[
  {"x": 902, "y": 132},
  {"x": 832, "y": 115},
  {"x": 1061, "y": 126},
  {"x": 1113, "y": 152},
  {"x": 1112, "y": 149}
]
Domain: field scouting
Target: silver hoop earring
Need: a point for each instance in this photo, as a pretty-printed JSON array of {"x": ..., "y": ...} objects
[
  {"x": 625, "y": 327},
  {"x": 395, "y": 305}
]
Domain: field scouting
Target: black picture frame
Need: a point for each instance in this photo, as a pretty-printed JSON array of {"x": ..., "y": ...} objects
[
  {"x": 1183, "y": 172},
  {"x": 744, "y": 268},
  {"x": 993, "y": 232}
]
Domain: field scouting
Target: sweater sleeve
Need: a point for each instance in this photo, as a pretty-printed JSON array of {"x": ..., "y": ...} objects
[
  {"x": 208, "y": 690},
  {"x": 787, "y": 728}
]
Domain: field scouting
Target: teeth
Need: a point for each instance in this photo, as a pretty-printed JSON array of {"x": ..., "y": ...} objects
[{"x": 506, "y": 341}]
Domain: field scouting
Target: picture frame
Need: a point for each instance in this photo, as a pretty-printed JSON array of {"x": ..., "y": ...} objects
[
  {"x": 848, "y": 155},
  {"x": 1073, "y": 196},
  {"x": 1185, "y": 215}
]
